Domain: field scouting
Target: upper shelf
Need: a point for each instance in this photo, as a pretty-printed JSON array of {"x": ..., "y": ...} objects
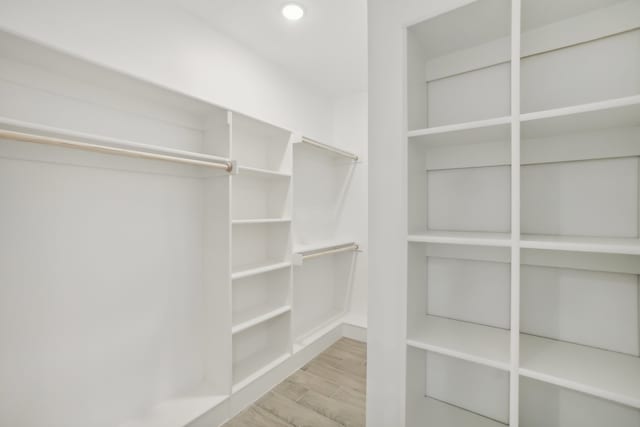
[
  {"x": 327, "y": 148},
  {"x": 462, "y": 238},
  {"x": 606, "y": 374},
  {"x": 497, "y": 129},
  {"x": 612, "y": 113}
]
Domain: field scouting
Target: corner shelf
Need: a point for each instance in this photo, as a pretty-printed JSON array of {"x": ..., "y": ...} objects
[
  {"x": 258, "y": 268},
  {"x": 480, "y": 344},
  {"x": 462, "y": 238},
  {"x": 606, "y": 374},
  {"x": 255, "y": 317},
  {"x": 245, "y": 370},
  {"x": 451, "y": 415}
]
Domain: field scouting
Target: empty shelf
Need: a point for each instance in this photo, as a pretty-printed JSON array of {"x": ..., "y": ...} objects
[
  {"x": 258, "y": 268},
  {"x": 466, "y": 133},
  {"x": 468, "y": 341},
  {"x": 260, "y": 221},
  {"x": 625, "y": 246},
  {"x": 602, "y": 373},
  {"x": 620, "y": 112},
  {"x": 252, "y": 318},
  {"x": 437, "y": 413},
  {"x": 463, "y": 238},
  {"x": 261, "y": 173},
  {"x": 178, "y": 411}
]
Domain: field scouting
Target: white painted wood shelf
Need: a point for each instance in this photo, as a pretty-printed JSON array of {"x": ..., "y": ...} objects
[
  {"x": 463, "y": 340},
  {"x": 606, "y": 374},
  {"x": 249, "y": 270},
  {"x": 251, "y": 318},
  {"x": 450, "y": 415},
  {"x": 262, "y": 173},
  {"x": 249, "y": 370},
  {"x": 628, "y": 246},
  {"x": 462, "y": 238},
  {"x": 257, "y": 221}
]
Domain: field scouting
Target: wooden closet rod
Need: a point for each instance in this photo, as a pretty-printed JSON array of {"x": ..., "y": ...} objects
[
  {"x": 67, "y": 143},
  {"x": 332, "y": 250},
  {"x": 329, "y": 148}
]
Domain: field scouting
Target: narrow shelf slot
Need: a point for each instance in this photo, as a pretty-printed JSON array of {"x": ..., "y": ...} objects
[
  {"x": 248, "y": 270},
  {"x": 244, "y": 321},
  {"x": 606, "y": 374},
  {"x": 262, "y": 173}
]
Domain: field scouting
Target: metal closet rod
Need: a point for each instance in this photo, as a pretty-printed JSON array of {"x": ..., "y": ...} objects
[
  {"x": 227, "y": 165},
  {"x": 329, "y": 148},
  {"x": 332, "y": 250}
]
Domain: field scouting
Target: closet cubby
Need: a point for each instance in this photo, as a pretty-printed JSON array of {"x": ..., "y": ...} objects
[
  {"x": 547, "y": 405},
  {"x": 260, "y": 348},
  {"x": 459, "y": 302},
  {"x": 580, "y": 324},
  {"x": 261, "y": 198},
  {"x": 580, "y": 179},
  {"x": 459, "y": 76},
  {"x": 258, "y": 246},
  {"x": 453, "y": 174},
  {"x": 260, "y": 297},
  {"x": 260, "y": 147},
  {"x": 579, "y": 53},
  {"x": 448, "y": 392}
]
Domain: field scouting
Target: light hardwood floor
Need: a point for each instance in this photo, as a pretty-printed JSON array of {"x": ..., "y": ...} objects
[{"x": 328, "y": 392}]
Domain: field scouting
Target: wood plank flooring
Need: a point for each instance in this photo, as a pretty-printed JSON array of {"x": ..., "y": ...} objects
[{"x": 328, "y": 392}]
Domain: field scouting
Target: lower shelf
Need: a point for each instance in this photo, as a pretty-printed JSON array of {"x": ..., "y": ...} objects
[
  {"x": 628, "y": 246},
  {"x": 442, "y": 414},
  {"x": 606, "y": 374},
  {"x": 468, "y": 341},
  {"x": 178, "y": 411}
]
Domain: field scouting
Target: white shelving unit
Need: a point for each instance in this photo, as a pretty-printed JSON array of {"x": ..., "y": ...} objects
[
  {"x": 524, "y": 215},
  {"x": 169, "y": 221},
  {"x": 261, "y": 249}
]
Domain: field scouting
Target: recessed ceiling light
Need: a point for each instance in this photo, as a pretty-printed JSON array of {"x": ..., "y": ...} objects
[{"x": 292, "y": 11}]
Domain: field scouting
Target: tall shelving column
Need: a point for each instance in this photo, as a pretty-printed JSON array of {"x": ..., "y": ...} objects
[{"x": 261, "y": 249}]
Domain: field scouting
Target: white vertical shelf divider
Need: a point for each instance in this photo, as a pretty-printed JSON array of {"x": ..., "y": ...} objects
[{"x": 514, "y": 377}]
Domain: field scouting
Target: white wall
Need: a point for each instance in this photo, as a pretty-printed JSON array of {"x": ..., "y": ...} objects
[
  {"x": 350, "y": 133},
  {"x": 387, "y": 203},
  {"x": 173, "y": 49}
]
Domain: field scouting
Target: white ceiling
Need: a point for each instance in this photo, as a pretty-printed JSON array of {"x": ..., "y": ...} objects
[{"x": 327, "y": 48}]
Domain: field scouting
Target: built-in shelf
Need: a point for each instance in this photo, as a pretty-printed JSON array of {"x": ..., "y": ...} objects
[
  {"x": 261, "y": 173},
  {"x": 462, "y": 238},
  {"x": 258, "y": 268},
  {"x": 327, "y": 149},
  {"x": 249, "y": 319},
  {"x": 247, "y": 372},
  {"x": 468, "y": 341},
  {"x": 606, "y": 374},
  {"x": 178, "y": 411},
  {"x": 469, "y": 132},
  {"x": 619, "y": 112},
  {"x": 260, "y": 221},
  {"x": 625, "y": 246},
  {"x": 438, "y": 413}
]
